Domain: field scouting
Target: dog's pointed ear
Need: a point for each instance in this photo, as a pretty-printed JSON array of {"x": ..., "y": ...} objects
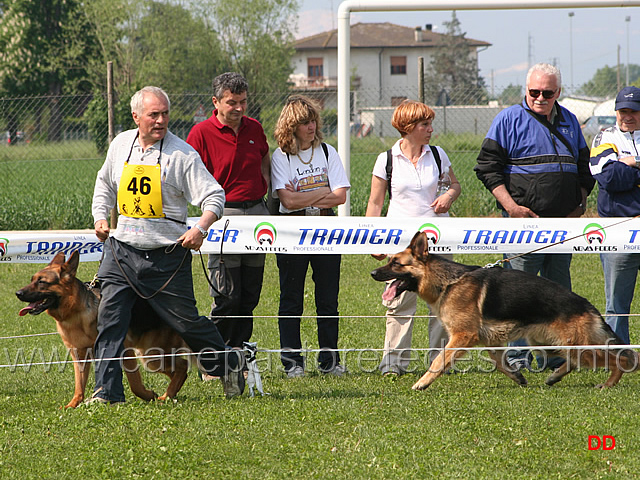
[
  {"x": 71, "y": 267},
  {"x": 420, "y": 246},
  {"x": 58, "y": 259}
]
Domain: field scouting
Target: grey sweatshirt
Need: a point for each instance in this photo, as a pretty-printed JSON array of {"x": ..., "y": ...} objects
[{"x": 184, "y": 178}]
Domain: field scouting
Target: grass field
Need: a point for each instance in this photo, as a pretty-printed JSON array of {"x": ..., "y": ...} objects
[
  {"x": 51, "y": 188},
  {"x": 362, "y": 426}
]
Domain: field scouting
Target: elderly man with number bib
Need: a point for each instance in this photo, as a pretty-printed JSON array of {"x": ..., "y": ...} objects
[
  {"x": 535, "y": 162},
  {"x": 615, "y": 164},
  {"x": 151, "y": 175}
]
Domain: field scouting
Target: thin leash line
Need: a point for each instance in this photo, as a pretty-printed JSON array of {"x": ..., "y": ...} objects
[
  {"x": 505, "y": 260},
  {"x": 585, "y": 348}
]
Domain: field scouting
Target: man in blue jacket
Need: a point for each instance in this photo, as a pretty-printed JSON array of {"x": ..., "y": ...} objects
[
  {"x": 615, "y": 164},
  {"x": 535, "y": 162}
]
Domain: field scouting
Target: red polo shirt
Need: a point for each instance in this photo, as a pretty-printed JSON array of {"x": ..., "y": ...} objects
[{"x": 234, "y": 161}]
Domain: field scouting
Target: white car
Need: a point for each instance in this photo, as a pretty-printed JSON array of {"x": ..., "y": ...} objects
[{"x": 597, "y": 123}]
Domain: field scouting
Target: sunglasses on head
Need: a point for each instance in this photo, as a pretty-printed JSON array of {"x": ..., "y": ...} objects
[{"x": 545, "y": 93}]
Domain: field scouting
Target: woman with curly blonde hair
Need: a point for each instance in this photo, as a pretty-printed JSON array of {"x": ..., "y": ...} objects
[{"x": 309, "y": 179}]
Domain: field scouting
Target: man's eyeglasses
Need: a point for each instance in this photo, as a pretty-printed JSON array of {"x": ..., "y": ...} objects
[{"x": 545, "y": 93}]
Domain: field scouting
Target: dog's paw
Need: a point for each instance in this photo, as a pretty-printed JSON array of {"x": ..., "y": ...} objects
[
  {"x": 419, "y": 386},
  {"x": 601, "y": 386}
]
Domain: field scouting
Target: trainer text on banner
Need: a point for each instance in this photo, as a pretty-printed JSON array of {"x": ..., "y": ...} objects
[{"x": 361, "y": 235}]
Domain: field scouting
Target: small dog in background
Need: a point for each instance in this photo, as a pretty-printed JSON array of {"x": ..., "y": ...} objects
[
  {"x": 491, "y": 306},
  {"x": 74, "y": 306}
]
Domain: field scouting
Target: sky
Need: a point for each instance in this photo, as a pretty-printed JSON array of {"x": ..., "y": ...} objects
[{"x": 578, "y": 45}]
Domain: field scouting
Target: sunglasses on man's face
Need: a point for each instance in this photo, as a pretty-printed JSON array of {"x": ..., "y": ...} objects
[{"x": 545, "y": 93}]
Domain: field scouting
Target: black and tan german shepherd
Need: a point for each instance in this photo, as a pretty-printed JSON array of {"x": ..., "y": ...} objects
[
  {"x": 491, "y": 306},
  {"x": 74, "y": 306}
]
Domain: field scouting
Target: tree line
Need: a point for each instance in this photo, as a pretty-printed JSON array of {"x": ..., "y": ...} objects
[{"x": 61, "y": 47}]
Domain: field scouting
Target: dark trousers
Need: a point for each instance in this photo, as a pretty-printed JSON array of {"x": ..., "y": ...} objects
[
  {"x": 244, "y": 298},
  {"x": 175, "y": 305},
  {"x": 326, "y": 278},
  {"x": 246, "y": 272}
]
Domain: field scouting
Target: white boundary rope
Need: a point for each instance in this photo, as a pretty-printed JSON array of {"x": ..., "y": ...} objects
[
  {"x": 184, "y": 353},
  {"x": 318, "y": 350}
]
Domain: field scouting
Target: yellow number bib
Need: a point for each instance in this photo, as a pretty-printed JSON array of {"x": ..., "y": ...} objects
[{"x": 140, "y": 191}]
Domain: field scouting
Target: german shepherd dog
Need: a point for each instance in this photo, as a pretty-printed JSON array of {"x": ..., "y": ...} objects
[
  {"x": 491, "y": 306},
  {"x": 74, "y": 306}
]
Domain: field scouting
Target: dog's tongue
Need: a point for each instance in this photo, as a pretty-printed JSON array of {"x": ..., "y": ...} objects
[
  {"x": 25, "y": 310},
  {"x": 390, "y": 292}
]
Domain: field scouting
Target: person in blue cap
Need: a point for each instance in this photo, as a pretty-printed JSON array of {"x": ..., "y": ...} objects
[{"x": 615, "y": 164}]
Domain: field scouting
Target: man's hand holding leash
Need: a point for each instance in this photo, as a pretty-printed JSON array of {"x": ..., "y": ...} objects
[
  {"x": 194, "y": 237},
  {"x": 102, "y": 230}
]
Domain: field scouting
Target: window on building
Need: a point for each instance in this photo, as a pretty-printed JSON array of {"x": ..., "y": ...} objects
[
  {"x": 395, "y": 101},
  {"x": 398, "y": 65},
  {"x": 315, "y": 68}
]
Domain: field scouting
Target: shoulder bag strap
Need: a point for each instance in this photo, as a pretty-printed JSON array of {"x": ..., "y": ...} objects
[
  {"x": 552, "y": 128},
  {"x": 389, "y": 169},
  {"x": 436, "y": 157}
]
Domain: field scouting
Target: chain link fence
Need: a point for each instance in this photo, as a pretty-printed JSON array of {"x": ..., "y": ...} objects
[{"x": 52, "y": 147}]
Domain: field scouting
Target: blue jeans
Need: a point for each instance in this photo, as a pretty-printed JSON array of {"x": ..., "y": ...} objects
[
  {"x": 620, "y": 272},
  {"x": 326, "y": 277},
  {"x": 555, "y": 267}
]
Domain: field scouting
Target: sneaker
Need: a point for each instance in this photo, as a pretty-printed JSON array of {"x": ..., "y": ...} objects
[
  {"x": 519, "y": 364},
  {"x": 338, "y": 371},
  {"x": 205, "y": 377},
  {"x": 296, "y": 372},
  {"x": 94, "y": 400},
  {"x": 233, "y": 384}
]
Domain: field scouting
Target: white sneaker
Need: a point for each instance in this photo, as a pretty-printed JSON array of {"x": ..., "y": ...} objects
[
  {"x": 296, "y": 372},
  {"x": 338, "y": 371}
]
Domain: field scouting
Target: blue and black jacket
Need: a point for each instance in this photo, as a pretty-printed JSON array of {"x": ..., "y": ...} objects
[{"x": 538, "y": 170}]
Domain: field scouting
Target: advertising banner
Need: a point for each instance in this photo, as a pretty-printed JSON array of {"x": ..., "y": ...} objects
[{"x": 362, "y": 235}]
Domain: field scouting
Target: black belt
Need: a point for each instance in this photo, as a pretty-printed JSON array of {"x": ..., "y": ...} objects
[
  {"x": 324, "y": 212},
  {"x": 244, "y": 205}
]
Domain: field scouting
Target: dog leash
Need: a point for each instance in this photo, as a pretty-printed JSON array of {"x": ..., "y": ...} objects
[
  {"x": 505, "y": 260},
  {"x": 169, "y": 249},
  {"x": 204, "y": 268}
]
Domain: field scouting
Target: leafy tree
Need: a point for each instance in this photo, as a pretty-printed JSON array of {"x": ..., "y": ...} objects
[
  {"x": 34, "y": 50},
  {"x": 176, "y": 50},
  {"x": 454, "y": 69},
  {"x": 37, "y": 56},
  {"x": 604, "y": 82},
  {"x": 257, "y": 40},
  {"x": 511, "y": 95}
]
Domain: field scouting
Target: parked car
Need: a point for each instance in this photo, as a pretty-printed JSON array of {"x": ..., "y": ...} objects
[{"x": 595, "y": 124}]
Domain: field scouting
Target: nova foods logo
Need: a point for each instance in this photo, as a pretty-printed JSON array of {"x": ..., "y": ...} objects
[
  {"x": 595, "y": 236},
  {"x": 265, "y": 233},
  {"x": 3, "y": 246},
  {"x": 594, "y": 233},
  {"x": 433, "y": 232}
]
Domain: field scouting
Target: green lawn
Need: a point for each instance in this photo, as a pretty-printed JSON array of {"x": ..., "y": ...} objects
[{"x": 472, "y": 425}]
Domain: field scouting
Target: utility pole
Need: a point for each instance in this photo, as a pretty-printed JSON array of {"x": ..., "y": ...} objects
[
  {"x": 571, "y": 45},
  {"x": 627, "y": 20}
]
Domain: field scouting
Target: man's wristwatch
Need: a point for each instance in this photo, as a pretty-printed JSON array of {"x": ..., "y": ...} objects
[
  {"x": 202, "y": 230},
  {"x": 637, "y": 158}
]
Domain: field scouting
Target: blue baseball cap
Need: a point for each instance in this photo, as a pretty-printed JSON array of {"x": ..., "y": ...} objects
[{"x": 628, "y": 97}]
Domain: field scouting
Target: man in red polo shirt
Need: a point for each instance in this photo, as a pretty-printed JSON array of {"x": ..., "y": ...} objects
[{"x": 234, "y": 149}]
